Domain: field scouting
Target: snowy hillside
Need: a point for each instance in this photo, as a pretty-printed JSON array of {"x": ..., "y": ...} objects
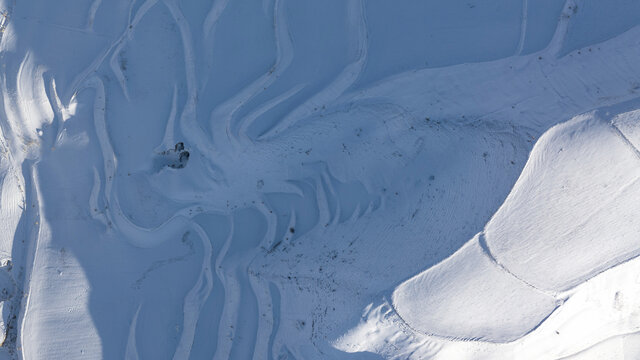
[{"x": 338, "y": 179}]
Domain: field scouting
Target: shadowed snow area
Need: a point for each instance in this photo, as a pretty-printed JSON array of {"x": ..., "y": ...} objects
[{"x": 340, "y": 179}]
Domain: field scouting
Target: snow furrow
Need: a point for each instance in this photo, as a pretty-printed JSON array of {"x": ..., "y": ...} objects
[
  {"x": 223, "y": 343},
  {"x": 487, "y": 251},
  {"x": 557, "y": 41},
  {"x": 196, "y": 298},
  {"x": 131, "y": 351},
  {"x": 523, "y": 27},
  {"x": 222, "y": 117},
  {"x": 342, "y": 82}
]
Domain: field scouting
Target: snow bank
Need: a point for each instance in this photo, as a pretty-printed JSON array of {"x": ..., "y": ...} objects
[
  {"x": 570, "y": 215},
  {"x": 469, "y": 296}
]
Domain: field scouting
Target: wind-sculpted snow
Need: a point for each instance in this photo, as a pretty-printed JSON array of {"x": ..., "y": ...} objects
[
  {"x": 240, "y": 179},
  {"x": 531, "y": 251},
  {"x": 588, "y": 204},
  {"x": 468, "y": 296}
]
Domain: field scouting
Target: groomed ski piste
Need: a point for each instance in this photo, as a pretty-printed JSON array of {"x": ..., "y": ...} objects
[{"x": 340, "y": 179}]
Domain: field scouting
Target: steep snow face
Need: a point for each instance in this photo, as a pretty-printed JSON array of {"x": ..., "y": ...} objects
[
  {"x": 240, "y": 179},
  {"x": 568, "y": 217},
  {"x": 468, "y": 296},
  {"x": 583, "y": 176}
]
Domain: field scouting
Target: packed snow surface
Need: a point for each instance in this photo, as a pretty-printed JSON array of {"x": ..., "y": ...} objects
[{"x": 338, "y": 179}]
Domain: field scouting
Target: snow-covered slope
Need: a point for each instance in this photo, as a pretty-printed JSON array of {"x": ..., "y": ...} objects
[
  {"x": 244, "y": 179},
  {"x": 568, "y": 218}
]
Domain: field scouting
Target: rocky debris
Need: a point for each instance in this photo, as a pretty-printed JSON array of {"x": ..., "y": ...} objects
[{"x": 175, "y": 158}]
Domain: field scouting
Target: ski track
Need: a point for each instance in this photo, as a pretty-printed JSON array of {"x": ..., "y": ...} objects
[
  {"x": 275, "y": 302},
  {"x": 131, "y": 351},
  {"x": 625, "y": 139},
  {"x": 224, "y": 114},
  {"x": 196, "y": 298},
  {"x": 92, "y": 13},
  {"x": 523, "y": 27},
  {"x": 557, "y": 41},
  {"x": 487, "y": 252},
  {"x": 223, "y": 345},
  {"x": 208, "y": 34},
  {"x": 198, "y": 295},
  {"x": 346, "y": 78},
  {"x": 120, "y": 43}
]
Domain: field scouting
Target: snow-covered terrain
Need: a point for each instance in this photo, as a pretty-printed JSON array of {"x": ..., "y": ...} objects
[{"x": 339, "y": 179}]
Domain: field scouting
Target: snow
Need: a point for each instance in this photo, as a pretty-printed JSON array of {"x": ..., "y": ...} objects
[
  {"x": 571, "y": 197},
  {"x": 600, "y": 317},
  {"x": 469, "y": 296},
  {"x": 343, "y": 179}
]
